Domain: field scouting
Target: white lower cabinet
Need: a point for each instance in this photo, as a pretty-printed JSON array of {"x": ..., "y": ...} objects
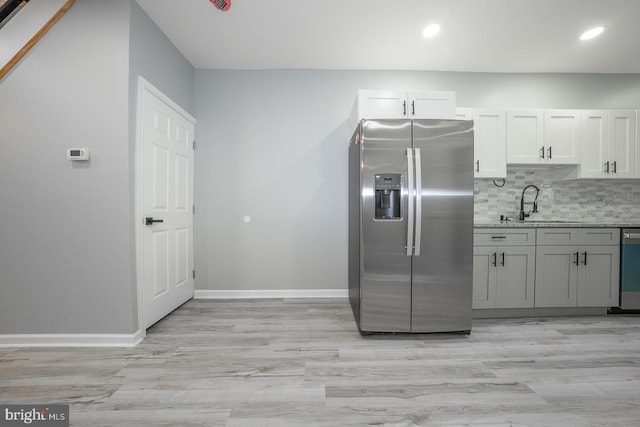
[
  {"x": 503, "y": 274},
  {"x": 577, "y": 267}
]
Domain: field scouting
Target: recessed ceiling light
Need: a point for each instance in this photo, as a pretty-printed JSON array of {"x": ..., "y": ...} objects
[
  {"x": 594, "y": 32},
  {"x": 431, "y": 30}
]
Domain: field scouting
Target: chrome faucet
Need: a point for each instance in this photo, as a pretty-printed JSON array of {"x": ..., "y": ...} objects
[{"x": 523, "y": 215}]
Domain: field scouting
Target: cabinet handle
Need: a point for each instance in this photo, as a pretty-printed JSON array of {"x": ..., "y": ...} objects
[
  {"x": 577, "y": 258},
  {"x": 404, "y": 108},
  {"x": 549, "y": 152},
  {"x": 477, "y": 165},
  {"x": 615, "y": 167},
  {"x": 498, "y": 237},
  {"x": 585, "y": 258},
  {"x": 502, "y": 262},
  {"x": 542, "y": 152},
  {"x": 606, "y": 167},
  {"x": 495, "y": 259},
  {"x": 413, "y": 108}
]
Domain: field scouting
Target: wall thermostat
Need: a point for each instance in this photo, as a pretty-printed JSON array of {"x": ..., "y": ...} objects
[{"x": 77, "y": 154}]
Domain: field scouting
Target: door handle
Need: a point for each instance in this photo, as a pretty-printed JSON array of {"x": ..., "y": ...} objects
[
  {"x": 410, "y": 200},
  {"x": 417, "y": 240},
  {"x": 149, "y": 220},
  {"x": 502, "y": 262},
  {"x": 477, "y": 165},
  {"x": 585, "y": 258},
  {"x": 542, "y": 152},
  {"x": 549, "y": 152},
  {"x": 615, "y": 167},
  {"x": 413, "y": 108},
  {"x": 577, "y": 258},
  {"x": 404, "y": 108},
  {"x": 495, "y": 259},
  {"x": 606, "y": 167}
]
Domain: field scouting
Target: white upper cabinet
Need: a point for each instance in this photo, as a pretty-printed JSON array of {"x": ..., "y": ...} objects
[
  {"x": 622, "y": 144},
  {"x": 608, "y": 144},
  {"x": 431, "y": 105},
  {"x": 525, "y": 136},
  {"x": 490, "y": 141},
  {"x": 595, "y": 143},
  {"x": 382, "y": 104},
  {"x": 543, "y": 136},
  {"x": 394, "y": 104},
  {"x": 561, "y": 137}
]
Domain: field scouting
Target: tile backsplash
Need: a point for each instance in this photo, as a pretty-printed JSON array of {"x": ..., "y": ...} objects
[{"x": 593, "y": 200}]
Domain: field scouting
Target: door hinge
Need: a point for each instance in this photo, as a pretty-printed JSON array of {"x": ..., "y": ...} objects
[
  {"x": 194, "y": 274},
  {"x": 194, "y": 144}
]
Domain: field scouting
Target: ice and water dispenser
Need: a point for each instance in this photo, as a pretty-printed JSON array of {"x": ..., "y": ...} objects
[{"x": 387, "y": 188}]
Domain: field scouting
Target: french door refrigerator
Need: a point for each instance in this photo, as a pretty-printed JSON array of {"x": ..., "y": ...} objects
[{"x": 411, "y": 225}]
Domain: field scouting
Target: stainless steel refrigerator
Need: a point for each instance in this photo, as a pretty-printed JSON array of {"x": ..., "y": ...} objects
[{"x": 411, "y": 225}]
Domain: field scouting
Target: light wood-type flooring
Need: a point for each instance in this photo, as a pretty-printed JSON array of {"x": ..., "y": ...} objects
[{"x": 302, "y": 363}]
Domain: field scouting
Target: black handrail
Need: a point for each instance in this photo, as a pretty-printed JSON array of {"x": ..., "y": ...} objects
[{"x": 8, "y": 8}]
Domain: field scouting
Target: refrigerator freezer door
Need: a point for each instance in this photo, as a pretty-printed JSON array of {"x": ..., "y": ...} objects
[
  {"x": 385, "y": 289},
  {"x": 443, "y": 272}
]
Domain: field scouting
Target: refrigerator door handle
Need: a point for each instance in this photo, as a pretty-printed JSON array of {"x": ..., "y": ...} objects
[
  {"x": 418, "y": 218},
  {"x": 410, "y": 213}
]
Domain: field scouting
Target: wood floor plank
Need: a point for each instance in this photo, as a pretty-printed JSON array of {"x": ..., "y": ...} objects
[{"x": 301, "y": 362}]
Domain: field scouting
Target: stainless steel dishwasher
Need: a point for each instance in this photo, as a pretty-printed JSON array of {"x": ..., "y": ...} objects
[{"x": 630, "y": 269}]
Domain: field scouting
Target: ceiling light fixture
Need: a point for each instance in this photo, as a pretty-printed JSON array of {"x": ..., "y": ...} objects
[
  {"x": 431, "y": 30},
  {"x": 594, "y": 32}
]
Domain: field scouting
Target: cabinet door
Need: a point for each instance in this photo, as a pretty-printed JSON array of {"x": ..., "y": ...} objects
[
  {"x": 562, "y": 136},
  {"x": 382, "y": 104},
  {"x": 490, "y": 133},
  {"x": 489, "y": 141},
  {"x": 556, "y": 276},
  {"x": 622, "y": 144},
  {"x": 484, "y": 276},
  {"x": 595, "y": 144},
  {"x": 431, "y": 105},
  {"x": 598, "y": 276},
  {"x": 515, "y": 277},
  {"x": 524, "y": 136},
  {"x": 637, "y": 149}
]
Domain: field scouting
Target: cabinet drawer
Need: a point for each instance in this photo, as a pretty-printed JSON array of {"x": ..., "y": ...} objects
[
  {"x": 504, "y": 236},
  {"x": 599, "y": 236},
  {"x": 557, "y": 236},
  {"x": 578, "y": 236}
]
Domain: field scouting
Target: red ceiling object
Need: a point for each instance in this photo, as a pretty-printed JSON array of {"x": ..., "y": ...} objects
[{"x": 223, "y": 5}]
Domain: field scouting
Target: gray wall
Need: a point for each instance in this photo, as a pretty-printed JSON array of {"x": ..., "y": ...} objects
[
  {"x": 67, "y": 260},
  {"x": 64, "y": 257},
  {"x": 272, "y": 145}
]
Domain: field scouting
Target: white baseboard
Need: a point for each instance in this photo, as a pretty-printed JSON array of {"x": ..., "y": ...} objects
[
  {"x": 271, "y": 293},
  {"x": 71, "y": 340}
]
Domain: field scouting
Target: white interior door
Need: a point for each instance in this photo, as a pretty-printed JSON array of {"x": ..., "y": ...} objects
[{"x": 165, "y": 200}]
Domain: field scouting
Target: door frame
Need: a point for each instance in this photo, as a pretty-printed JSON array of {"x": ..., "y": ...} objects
[{"x": 144, "y": 85}]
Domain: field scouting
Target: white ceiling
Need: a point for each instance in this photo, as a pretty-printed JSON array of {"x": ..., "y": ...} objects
[{"x": 477, "y": 35}]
